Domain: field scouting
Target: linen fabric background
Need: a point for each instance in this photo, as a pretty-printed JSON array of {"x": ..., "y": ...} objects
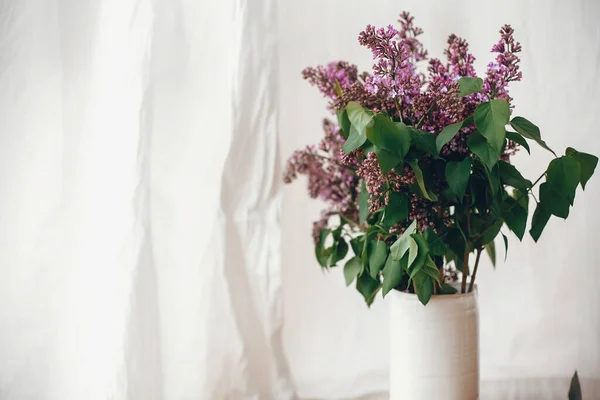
[{"x": 148, "y": 249}]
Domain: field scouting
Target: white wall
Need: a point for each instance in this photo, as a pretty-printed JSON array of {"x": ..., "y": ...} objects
[{"x": 540, "y": 313}]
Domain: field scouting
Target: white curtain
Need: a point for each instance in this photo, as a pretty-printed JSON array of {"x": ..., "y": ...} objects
[
  {"x": 144, "y": 250},
  {"x": 140, "y": 201}
]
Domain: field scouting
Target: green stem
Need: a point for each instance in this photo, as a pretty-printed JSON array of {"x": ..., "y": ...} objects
[
  {"x": 349, "y": 221},
  {"x": 526, "y": 192},
  {"x": 397, "y": 103},
  {"x": 465, "y": 271},
  {"x": 424, "y": 115},
  {"x": 475, "y": 269}
]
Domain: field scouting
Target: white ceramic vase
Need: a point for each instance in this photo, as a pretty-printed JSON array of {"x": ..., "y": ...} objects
[{"x": 434, "y": 348}]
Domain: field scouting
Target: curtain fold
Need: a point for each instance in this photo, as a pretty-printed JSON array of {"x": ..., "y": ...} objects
[{"x": 140, "y": 218}]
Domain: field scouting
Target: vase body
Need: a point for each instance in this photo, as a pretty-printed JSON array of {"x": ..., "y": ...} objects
[{"x": 434, "y": 349}]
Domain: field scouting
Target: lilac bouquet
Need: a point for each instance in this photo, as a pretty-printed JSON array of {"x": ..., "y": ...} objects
[{"x": 416, "y": 170}]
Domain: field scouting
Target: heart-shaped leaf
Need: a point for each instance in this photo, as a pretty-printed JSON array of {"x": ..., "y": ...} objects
[
  {"x": 468, "y": 85},
  {"x": 396, "y": 209},
  {"x": 447, "y": 134},
  {"x": 352, "y": 269},
  {"x": 539, "y": 221},
  {"x": 587, "y": 163},
  {"x": 515, "y": 137},
  {"x": 389, "y": 136},
  {"x": 402, "y": 244},
  {"x": 563, "y": 173},
  {"x": 359, "y": 119},
  {"x": 530, "y": 131},
  {"x": 509, "y": 175},
  {"x": 392, "y": 273},
  {"x": 480, "y": 146},
  {"x": 378, "y": 252},
  {"x": 419, "y": 177},
  {"x": 457, "y": 175},
  {"x": 490, "y": 119}
]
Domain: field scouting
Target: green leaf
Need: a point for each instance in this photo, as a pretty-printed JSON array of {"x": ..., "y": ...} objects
[
  {"x": 490, "y": 248},
  {"x": 341, "y": 250},
  {"x": 365, "y": 250},
  {"x": 509, "y": 175},
  {"x": 352, "y": 269},
  {"x": 587, "y": 162},
  {"x": 363, "y": 203},
  {"x": 431, "y": 269},
  {"x": 522, "y": 197},
  {"x": 360, "y": 119},
  {"x": 493, "y": 178},
  {"x": 457, "y": 175},
  {"x": 368, "y": 287},
  {"x": 447, "y": 289},
  {"x": 402, "y": 244},
  {"x": 530, "y": 131},
  {"x": 489, "y": 233},
  {"x": 515, "y": 137},
  {"x": 424, "y": 285},
  {"x": 563, "y": 173},
  {"x": 447, "y": 134},
  {"x": 357, "y": 245},
  {"x": 539, "y": 221},
  {"x": 396, "y": 210},
  {"x": 575, "y": 388},
  {"x": 515, "y": 216},
  {"x": 469, "y": 85},
  {"x": 343, "y": 122},
  {"x": 413, "y": 251},
  {"x": 424, "y": 141},
  {"x": 392, "y": 273},
  {"x": 377, "y": 255},
  {"x": 505, "y": 246},
  {"x": 387, "y": 161},
  {"x": 389, "y": 136},
  {"x": 490, "y": 119},
  {"x": 448, "y": 194},
  {"x": 328, "y": 257},
  {"x": 421, "y": 257},
  {"x": 419, "y": 177},
  {"x": 321, "y": 253},
  {"x": 434, "y": 243},
  {"x": 338, "y": 88},
  {"x": 480, "y": 146},
  {"x": 554, "y": 201}
]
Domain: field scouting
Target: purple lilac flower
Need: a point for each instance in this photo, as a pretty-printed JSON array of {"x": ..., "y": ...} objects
[
  {"x": 408, "y": 35},
  {"x": 394, "y": 75},
  {"x": 329, "y": 179},
  {"x": 505, "y": 68},
  {"x": 325, "y": 78},
  {"x": 428, "y": 102},
  {"x": 460, "y": 61}
]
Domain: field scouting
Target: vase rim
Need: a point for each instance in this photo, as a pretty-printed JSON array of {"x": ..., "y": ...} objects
[{"x": 454, "y": 296}]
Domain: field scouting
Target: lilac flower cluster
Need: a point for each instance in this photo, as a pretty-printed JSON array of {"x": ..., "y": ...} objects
[
  {"x": 460, "y": 61},
  {"x": 379, "y": 184},
  {"x": 332, "y": 79},
  {"x": 329, "y": 178},
  {"x": 408, "y": 35},
  {"x": 396, "y": 86},
  {"x": 506, "y": 66},
  {"x": 394, "y": 75}
]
